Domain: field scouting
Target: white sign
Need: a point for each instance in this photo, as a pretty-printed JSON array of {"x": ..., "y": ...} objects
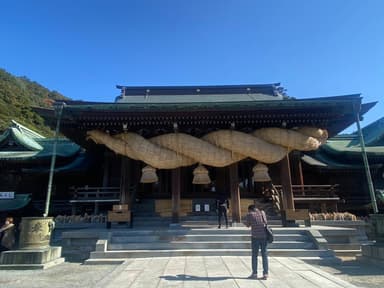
[
  {"x": 206, "y": 207},
  {"x": 7, "y": 195},
  {"x": 197, "y": 207}
]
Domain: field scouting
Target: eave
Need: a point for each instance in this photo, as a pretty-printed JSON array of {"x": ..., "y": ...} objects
[{"x": 332, "y": 113}]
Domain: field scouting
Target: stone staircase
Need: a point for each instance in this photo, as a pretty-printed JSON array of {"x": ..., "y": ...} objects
[{"x": 197, "y": 237}]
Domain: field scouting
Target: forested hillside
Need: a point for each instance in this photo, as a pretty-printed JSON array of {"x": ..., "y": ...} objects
[{"x": 17, "y": 96}]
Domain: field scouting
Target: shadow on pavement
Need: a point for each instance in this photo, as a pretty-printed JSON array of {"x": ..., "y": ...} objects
[{"x": 184, "y": 277}]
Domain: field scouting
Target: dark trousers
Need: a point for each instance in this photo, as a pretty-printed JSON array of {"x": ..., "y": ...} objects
[
  {"x": 262, "y": 244},
  {"x": 223, "y": 212}
]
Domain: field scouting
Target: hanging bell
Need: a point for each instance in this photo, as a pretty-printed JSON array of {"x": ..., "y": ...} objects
[
  {"x": 148, "y": 175},
  {"x": 260, "y": 173},
  {"x": 200, "y": 175}
]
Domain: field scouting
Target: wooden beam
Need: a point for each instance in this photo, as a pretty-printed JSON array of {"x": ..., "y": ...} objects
[
  {"x": 106, "y": 168},
  {"x": 297, "y": 170}
]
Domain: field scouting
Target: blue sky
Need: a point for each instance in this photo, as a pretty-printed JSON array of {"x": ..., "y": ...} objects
[{"x": 83, "y": 48}]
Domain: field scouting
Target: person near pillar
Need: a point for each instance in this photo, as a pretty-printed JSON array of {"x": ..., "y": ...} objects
[
  {"x": 222, "y": 206},
  {"x": 7, "y": 235},
  {"x": 257, "y": 220}
]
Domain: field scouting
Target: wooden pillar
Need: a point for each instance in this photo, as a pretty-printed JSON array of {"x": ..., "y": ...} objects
[
  {"x": 286, "y": 184},
  {"x": 235, "y": 193},
  {"x": 125, "y": 183},
  {"x": 297, "y": 171},
  {"x": 135, "y": 174},
  {"x": 106, "y": 169},
  {"x": 105, "y": 177},
  {"x": 176, "y": 195},
  {"x": 301, "y": 176}
]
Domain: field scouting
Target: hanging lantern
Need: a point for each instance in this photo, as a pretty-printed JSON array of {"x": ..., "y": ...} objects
[
  {"x": 148, "y": 175},
  {"x": 260, "y": 173},
  {"x": 200, "y": 175}
]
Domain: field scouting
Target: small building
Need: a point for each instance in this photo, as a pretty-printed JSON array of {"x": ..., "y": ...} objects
[
  {"x": 25, "y": 158},
  {"x": 340, "y": 161}
]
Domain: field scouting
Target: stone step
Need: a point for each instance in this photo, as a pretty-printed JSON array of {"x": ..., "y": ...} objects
[
  {"x": 344, "y": 246},
  {"x": 104, "y": 261},
  {"x": 347, "y": 253},
  {"x": 214, "y": 222},
  {"x": 198, "y": 237},
  {"x": 121, "y": 254},
  {"x": 235, "y": 245},
  {"x": 314, "y": 260},
  {"x": 187, "y": 221},
  {"x": 205, "y": 231}
]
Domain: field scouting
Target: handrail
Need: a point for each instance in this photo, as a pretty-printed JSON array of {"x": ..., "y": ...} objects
[
  {"x": 313, "y": 190},
  {"x": 95, "y": 193},
  {"x": 91, "y": 188}
]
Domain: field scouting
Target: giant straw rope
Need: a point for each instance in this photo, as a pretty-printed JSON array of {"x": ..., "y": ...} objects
[{"x": 220, "y": 148}]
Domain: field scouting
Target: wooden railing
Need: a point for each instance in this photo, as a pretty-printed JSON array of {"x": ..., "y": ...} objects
[
  {"x": 315, "y": 195},
  {"x": 94, "y": 195}
]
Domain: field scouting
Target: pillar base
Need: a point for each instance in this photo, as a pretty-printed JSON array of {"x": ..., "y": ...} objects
[
  {"x": 373, "y": 253},
  {"x": 31, "y": 259}
]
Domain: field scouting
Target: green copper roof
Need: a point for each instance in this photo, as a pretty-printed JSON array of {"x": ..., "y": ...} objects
[
  {"x": 344, "y": 151},
  {"x": 65, "y": 148},
  {"x": 324, "y": 161},
  {"x": 21, "y": 143},
  {"x": 349, "y": 146},
  {"x": 273, "y": 89},
  {"x": 17, "y": 155},
  {"x": 240, "y": 102},
  {"x": 80, "y": 164},
  {"x": 26, "y": 131},
  {"x": 13, "y": 134},
  {"x": 197, "y": 98},
  {"x": 374, "y": 133}
]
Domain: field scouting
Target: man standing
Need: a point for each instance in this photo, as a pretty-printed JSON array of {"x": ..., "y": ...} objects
[
  {"x": 257, "y": 220},
  {"x": 222, "y": 205}
]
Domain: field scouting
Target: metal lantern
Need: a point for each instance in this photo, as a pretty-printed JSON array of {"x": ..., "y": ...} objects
[
  {"x": 200, "y": 175},
  {"x": 148, "y": 175},
  {"x": 260, "y": 173}
]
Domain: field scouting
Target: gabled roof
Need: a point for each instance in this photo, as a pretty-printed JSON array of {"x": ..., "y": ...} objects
[
  {"x": 374, "y": 133},
  {"x": 82, "y": 162},
  {"x": 269, "y": 89},
  {"x": 21, "y": 143},
  {"x": 198, "y": 94},
  {"x": 26, "y": 131},
  {"x": 18, "y": 137},
  {"x": 344, "y": 151}
]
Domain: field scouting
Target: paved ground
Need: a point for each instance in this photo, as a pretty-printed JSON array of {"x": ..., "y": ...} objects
[
  {"x": 359, "y": 273},
  {"x": 195, "y": 271}
]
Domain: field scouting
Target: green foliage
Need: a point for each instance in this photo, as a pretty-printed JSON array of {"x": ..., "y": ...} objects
[{"x": 17, "y": 97}]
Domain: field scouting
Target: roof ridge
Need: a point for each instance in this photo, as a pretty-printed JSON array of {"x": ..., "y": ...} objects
[{"x": 28, "y": 132}]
